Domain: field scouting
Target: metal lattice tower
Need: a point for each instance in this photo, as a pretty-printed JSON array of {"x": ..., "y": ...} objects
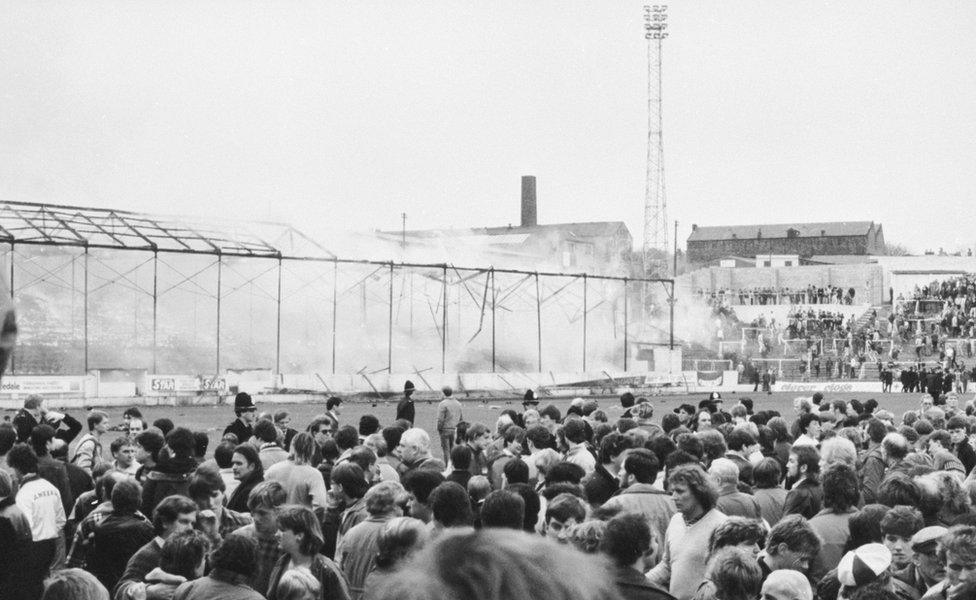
[{"x": 655, "y": 203}]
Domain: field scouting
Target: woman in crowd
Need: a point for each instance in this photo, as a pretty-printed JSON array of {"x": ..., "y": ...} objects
[
  {"x": 702, "y": 421},
  {"x": 249, "y": 472},
  {"x": 399, "y": 540},
  {"x": 300, "y": 539}
]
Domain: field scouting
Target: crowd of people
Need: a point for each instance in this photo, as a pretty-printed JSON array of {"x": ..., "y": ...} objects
[
  {"x": 838, "y": 500},
  {"x": 810, "y": 294},
  {"x": 937, "y": 316}
]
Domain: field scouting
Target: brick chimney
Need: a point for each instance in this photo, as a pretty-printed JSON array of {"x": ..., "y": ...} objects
[{"x": 528, "y": 201}]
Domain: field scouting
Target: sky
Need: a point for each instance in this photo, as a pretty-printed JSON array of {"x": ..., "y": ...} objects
[{"x": 339, "y": 116}]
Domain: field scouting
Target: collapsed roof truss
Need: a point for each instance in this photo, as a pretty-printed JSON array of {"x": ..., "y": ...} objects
[{"x": 59, "y": 225}]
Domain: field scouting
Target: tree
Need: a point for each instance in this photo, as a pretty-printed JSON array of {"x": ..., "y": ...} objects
[{"x": 896, "y": 250}]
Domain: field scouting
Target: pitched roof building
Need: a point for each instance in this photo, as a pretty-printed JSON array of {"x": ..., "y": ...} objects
[{"x": 803, "y": 239}]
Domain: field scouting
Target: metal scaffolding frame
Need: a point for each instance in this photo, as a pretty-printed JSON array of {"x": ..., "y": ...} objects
[{"x": 31, "y": 225}]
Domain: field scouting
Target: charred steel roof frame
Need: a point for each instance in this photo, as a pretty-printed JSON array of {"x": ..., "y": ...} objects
[
  {"x": 45, "y": 224},
  {"x": 62, "y": 225}
]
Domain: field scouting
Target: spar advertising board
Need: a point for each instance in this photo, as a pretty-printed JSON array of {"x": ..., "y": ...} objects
[{"x": 175, "y": 385}]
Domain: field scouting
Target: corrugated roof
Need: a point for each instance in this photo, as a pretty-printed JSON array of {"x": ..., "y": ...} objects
[{"x": 750, "y": 232}]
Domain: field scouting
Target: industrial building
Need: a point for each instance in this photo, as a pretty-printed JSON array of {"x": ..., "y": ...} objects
[
  {"x": 603, "y": 247},
  {"x": 805, "y": 240}
]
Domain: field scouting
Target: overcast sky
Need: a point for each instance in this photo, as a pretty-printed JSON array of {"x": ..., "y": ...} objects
[{"x": 345, "y": 114}]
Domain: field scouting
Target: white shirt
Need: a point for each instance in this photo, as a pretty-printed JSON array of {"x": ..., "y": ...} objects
[
  {"x": 806, "y": 440},
  {"x": 41, "y": 503},
  {"x": 579, "y": 455}
]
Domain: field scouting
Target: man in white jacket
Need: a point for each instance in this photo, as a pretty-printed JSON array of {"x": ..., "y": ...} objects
[{"x": 41, "y": 503}]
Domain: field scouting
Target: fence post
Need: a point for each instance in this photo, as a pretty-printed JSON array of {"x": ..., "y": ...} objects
[
  {"x": 220, "y": 263},
  {"x": 538, "y": 319},
  {"x": 626, "y": 316},
  {"x": 494, "y": 298},
  {"x": 389, "y": 338},
  {"x": 86, "y": 310},
  {"x": 155, "y": 309},
  {"x": 278, "y": 328},
  {"x": 444, "y": 325},
  {"x": 584, "y": 321},
  {"x": 13, "y": 355},
  {"x": 335, "y": 294}
]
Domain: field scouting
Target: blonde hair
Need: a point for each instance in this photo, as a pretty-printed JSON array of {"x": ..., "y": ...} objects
[
  {"x": 298, "y": 584},
  {"x": 838, "y": 450},
  {"x": 546, "y": 459}
]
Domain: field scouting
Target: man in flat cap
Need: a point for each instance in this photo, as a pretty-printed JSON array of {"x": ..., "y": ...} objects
[{"x": 926, "y": 569}]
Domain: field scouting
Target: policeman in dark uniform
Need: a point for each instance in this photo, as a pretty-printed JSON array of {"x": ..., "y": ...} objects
[
  {"x": 405, "y": 409},
  {"x": 242, "y": 426}
]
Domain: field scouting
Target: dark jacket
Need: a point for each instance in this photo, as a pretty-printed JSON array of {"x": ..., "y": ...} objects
[
  {"x": 634, "y": 586},
  {"x": 872, "y": 472},
  {"x": 805, "y": 499},
  {"x": 460, "y": 477},
  {"x": 427, "y": 463},
  {"x": 238, "y": 500},
  {"x": 115, "y": 541},
  {"x": 406, "y": 410},
  {"x": 142, "y": 562},
  {"x": 600, "y": 486},
  {"x": 325, "y": 571},
  {"x": 966, "y": 455},
  {"x": 15, "y": 544},
  {"x": 242, "y": 431},
  {"x": 56, "y": 472},
  {"x": 170, "y": 476},
  {"x": 66, "y": 429},
  {"x": 79, "y": 480}
]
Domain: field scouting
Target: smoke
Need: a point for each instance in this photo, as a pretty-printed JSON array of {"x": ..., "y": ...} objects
[{"x": 342, "y": 317}]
